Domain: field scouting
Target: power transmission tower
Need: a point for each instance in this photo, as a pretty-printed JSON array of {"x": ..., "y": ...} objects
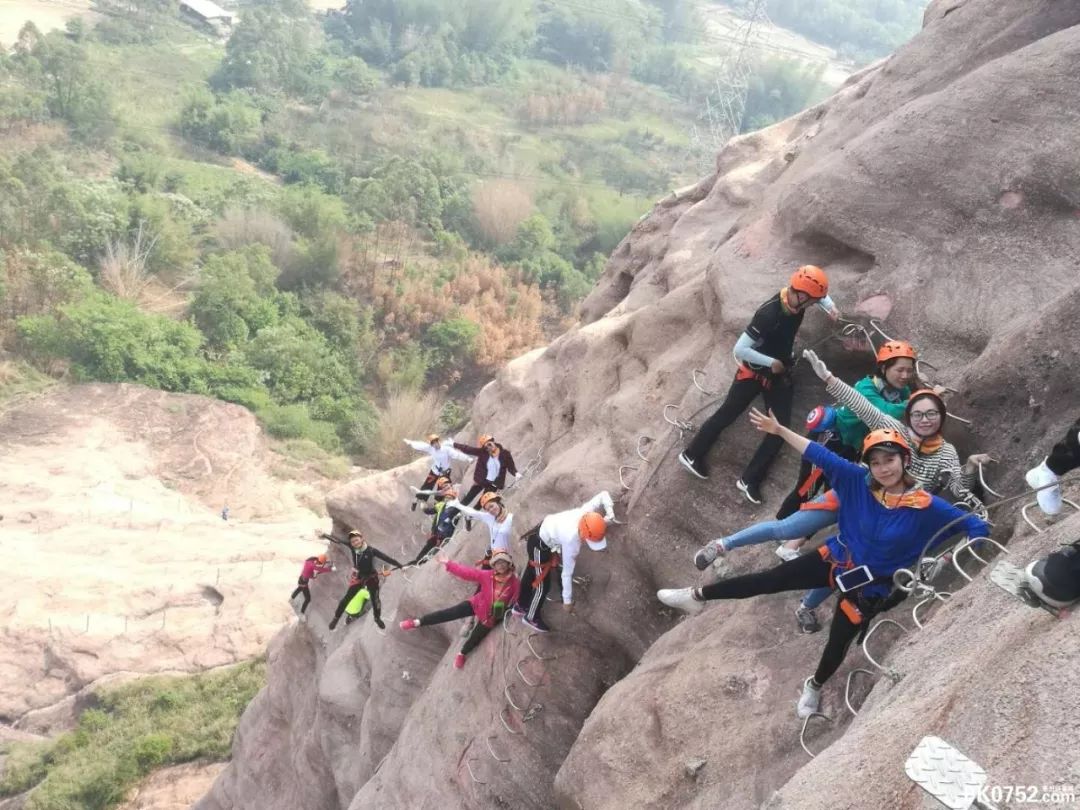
[{"x": 725, "y": 108}]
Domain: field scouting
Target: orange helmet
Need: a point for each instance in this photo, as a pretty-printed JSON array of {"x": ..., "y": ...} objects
[
  {"x": 919, "y": 394},
  {"x": 484, "y": 439},
  {"x": 894, "y": 349},
  {"x": 887, "y": 439},
  {"x": 432, "y": 437},
  {"x": 489, "y": 497},
  {"x": 811, "y": 280},
  {"x": 321, "y": 559},
  {"x": 591, "y": 528}
]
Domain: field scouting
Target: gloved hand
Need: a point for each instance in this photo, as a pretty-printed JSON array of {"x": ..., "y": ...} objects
[{"x": 818, "y": 365}]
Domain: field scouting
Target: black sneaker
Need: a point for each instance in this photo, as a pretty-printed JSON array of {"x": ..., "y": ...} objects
[
  {"x": 468, "y": 524},
  {"x": 536, "y": 624},
  {"x": 414, "y": 505},
  {"x": 807, "y": 619},
  {"x": 380, "y": 624},
  {"x": 694, "y": 467},
  {"x": 333, "y": 622},
  {"x": 751, "y": 492}
]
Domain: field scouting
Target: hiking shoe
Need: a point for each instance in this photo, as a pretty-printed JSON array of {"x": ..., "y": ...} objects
[
  {"x": 413, "y": 506},
  {"x": 468, "y": 524},
  {"x": 807, "y": 619},
  {"x": 695, "y": 467},
  {"x": 302, "y": 618},
  {"x": 517, "y": 611},
  {"x": 810, "y": 701},
  {"x": 681, "y": 598},
  {"x": 1050, "y": 498},
  {"x": 787, "y": 554},
  {"x": 752, "y": 492},
  {"x": 409, "y": 624},
  {"x": 536, "y": 624},
  {"x": 350, "y": 619},
  {"x": 459, "y": 661},
  {"x": 707, "y": 553},
  {"x": 380, "y": 624}
]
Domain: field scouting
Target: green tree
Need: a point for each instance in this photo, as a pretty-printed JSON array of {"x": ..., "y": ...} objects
[
  {"x": 270, "y": 49},
  {"x": 452, "y": 342},
  {"x": 236, "y": 297},
  {"x": 228, "y": 124},
  {"x": 298, "y": 363}
]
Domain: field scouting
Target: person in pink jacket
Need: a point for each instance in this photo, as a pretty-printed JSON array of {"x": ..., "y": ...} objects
[
  {"x": 313, "y": 566},
  {"x": 497, "y": 591}
]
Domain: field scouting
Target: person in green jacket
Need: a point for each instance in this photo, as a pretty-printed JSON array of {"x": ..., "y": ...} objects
[{"x": 842, "y": 431}]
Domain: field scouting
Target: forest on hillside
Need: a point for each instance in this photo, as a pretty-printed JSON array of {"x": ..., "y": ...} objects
[{"x": 345, "y": 222}]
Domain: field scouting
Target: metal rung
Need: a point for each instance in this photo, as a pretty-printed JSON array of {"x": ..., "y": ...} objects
[
  {"x": 494, "y": 756},
  {"x": 986, "y": 486},
  {"x": 959, "y": 419},
  {"x": 468, "y": 766},
  {"x": 637, "y": 449},
  {"x": 966, "y": 545},
  {"x": 802, "y": 733},
  {"x": 697, "y": 372},
  {"x": 852, "y": 328},
  {"x": 1031, "y": 523},
  {"x": 529, "y": 644},
  {"x": 847, "y": 689},
  {"x": 678, "y": 423},
  {"x": 919, "y": 366},
  {"x": 510, "y": 699},
  {"x": 622, "y": 480},
  {"x": 938, "y": 596},
  {"x": 521, "y": 675},
  {"x": 502, "y": 719},
  {"x": 507, "y": 620},
  {"x": 866, "y": 642},
  {"x": 877, "y": 328}
]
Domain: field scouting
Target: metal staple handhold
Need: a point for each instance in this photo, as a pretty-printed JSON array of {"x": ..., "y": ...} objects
[
  {"x": 510, "y": 699},
  {"x": 986, "y": 486},
  {"x": 678, "y": 423},
  {"x": 528, "y": 642},
  {"x": 877, "y": 328},
  {"x": 866, "y": 641},
  {"x": 694, "y": 376},
  {"x": 468, "y": 766},
  {"x": 847, "y": 689},
  {"x": 802, "y": 733},
  {"x": 622, "y": 479},
  {"x": 1031, "y": 523},
  {"x": 640, "y": 454},
  {"x": 966, "y": 545},
  {"x": 496, "y": 757},
  {"x": 502, "y": 719},
  {"x": 938, "y": 596},
  {"x": 521, "y": 675},
  {"x": 852, "y": 328}
]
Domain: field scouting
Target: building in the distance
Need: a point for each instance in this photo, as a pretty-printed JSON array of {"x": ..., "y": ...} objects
[{"x": 207, "y": 14}]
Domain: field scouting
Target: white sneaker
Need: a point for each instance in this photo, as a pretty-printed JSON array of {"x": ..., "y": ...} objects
[
  {"x": 786, "y": 554},
  {"x": 681, "y": 598},
  {"x": 1050, "y": 498},
  {"x": 810, "y": 701}
]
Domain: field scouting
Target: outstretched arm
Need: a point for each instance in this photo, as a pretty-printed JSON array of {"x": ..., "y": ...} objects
[
  {"x": 768, "y": 424},
  {"x": 848, "y": 396},
  {"x": 472, "y": 451},
  {"x": 386, "y": 557},
  {"x": 420, "y": 447}
]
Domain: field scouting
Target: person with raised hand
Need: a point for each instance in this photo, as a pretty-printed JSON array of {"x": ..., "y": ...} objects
[
  {"x": 493, "y": 514},
  {"x": 765, "y": 354},
  {"x": 363, "y": 575},
  {"x": 442, "y": 457},
  {"x": 885, "y": 520}
]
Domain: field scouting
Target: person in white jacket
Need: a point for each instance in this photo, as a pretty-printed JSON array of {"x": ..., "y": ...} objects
[
  {"x": 493, "y": 514},
  {"x": 559, "y": 537},
  {"x": 441, "y": 459}
]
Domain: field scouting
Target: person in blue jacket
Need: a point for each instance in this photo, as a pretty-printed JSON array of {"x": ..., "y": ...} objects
[{"x": 885, "y": 520}]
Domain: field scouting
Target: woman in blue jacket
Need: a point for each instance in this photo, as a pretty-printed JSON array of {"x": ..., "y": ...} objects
[{"x": 884, "y": 520}]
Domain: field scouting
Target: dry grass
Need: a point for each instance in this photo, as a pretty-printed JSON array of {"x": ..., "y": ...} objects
[
  {"x": 499, "y": 207},
  {"x": 239, "y": 227},
  {"x": 406, "y": 415},
  {"x": 123, "y": 268}
]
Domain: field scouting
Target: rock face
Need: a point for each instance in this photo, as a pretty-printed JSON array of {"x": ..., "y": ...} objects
[
  {"x": 939, "y": 188},
  {"x": 119, "y": 562}
]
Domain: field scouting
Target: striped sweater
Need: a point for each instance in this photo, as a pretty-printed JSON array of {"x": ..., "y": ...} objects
[{"x": 925, "y": 468}]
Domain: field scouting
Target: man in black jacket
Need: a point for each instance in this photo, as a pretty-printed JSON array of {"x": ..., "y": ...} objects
[{"x": 363, "y": 575}]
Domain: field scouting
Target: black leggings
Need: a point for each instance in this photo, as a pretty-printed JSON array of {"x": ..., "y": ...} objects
[
  {"x": 1066, "y": 454},
  {"x": 476, "y": 489},
  {"x": 778, "y": 397},
  {"x": 372, "y": 584},
  {"x": 429, "y": 482},
  {"x": 803, "y": 573},
  {"x": 794, "y": 498},
  {"x": 306, "y": 591},
  {"x": 462, "y": 610}
]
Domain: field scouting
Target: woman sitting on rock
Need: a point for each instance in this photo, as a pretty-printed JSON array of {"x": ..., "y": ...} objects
[
  {"x": 497, "y": 591},
  {"x": 885, "y": 521}
]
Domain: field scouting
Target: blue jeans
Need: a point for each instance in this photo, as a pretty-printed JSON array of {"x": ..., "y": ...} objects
[
  {"x": 815, "y": 597},
  {"x": 799, "y": 524}
]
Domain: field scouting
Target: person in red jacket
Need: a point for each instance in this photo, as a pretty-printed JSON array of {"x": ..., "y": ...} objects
[
  {"x": 313, "y": 566},
  {"x": 497, "y": 591},
  {"x": 493, "y": 462}
]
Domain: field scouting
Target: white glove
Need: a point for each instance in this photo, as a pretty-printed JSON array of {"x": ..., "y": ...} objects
[{"x": 817, "y": 364}]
